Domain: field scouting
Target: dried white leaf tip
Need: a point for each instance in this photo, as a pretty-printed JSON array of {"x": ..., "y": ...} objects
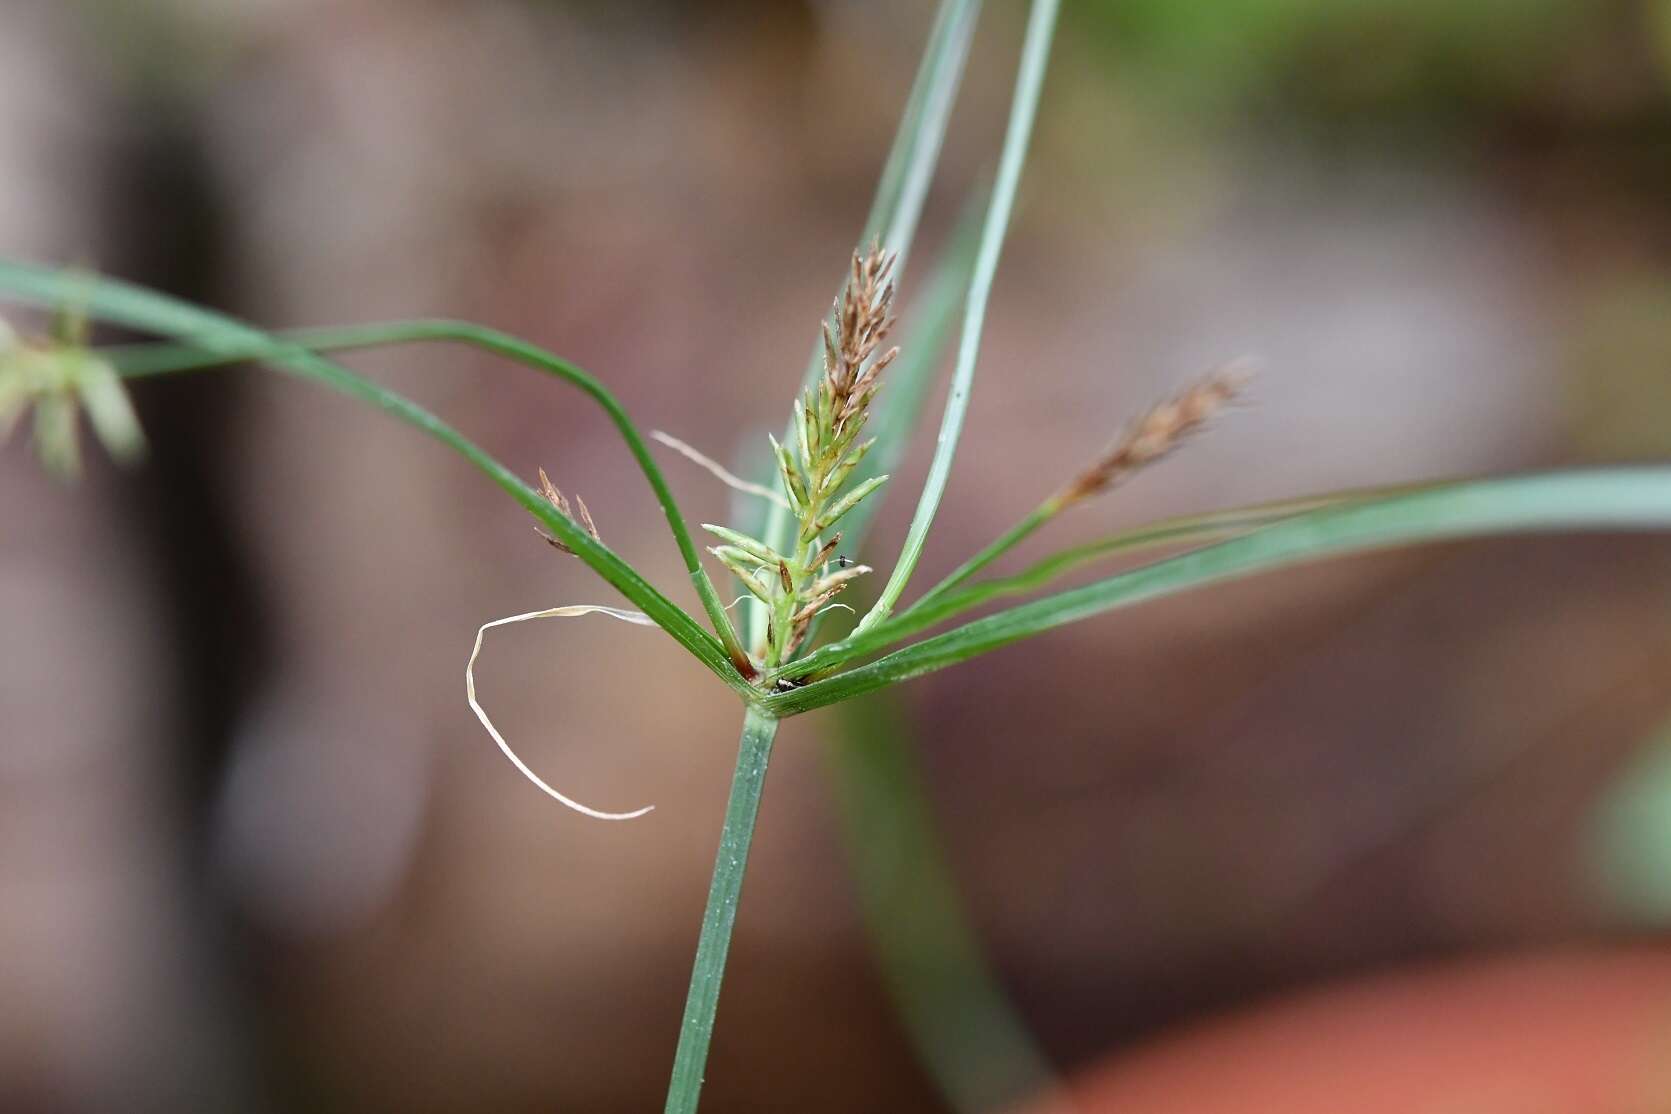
[{"x": 636, "y": 617}]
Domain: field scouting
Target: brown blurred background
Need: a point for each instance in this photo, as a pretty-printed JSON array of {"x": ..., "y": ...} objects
[{"x": 256, "y": 854}]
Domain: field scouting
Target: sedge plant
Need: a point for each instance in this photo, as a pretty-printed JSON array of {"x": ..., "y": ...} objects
[{"x": 831, "y": 466}]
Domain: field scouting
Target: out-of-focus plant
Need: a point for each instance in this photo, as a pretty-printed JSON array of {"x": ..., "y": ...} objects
[
  {"x": 1623, "y": 411},
  {"x": 966, "y": 1032},
  {"x": 57, "y": 376},
  {"x": 1660, "y": 15},
  {"x": 776, "y": 665},
  {"x": 1422, "y": 55},
  {"x": 1619, "y": 407},
  {"x": 1630, "y": 833}
]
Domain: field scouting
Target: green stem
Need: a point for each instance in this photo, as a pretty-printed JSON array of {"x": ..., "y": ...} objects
[
  {"x": 1035, "y": 53},
  {"x": 689, "y": 1062},
  {"x": 903, "y": 187},
  {"x": 154, "y": 359},
  {"x": 1013, "y": 537}
]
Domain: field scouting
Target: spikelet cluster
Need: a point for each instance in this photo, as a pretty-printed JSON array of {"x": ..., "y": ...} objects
[
  {"x": 1157, "y": 434},
  {"x": 557, "y": 499},
  {"x": 815, "y": 467},
  {"x": 852, "y": 369},
  {"x": 61, "y": 378}
]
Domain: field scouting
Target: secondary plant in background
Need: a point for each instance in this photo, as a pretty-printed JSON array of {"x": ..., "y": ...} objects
[
  {"x": 851, "y": 417},
  {"x": 58, "y": 376}
]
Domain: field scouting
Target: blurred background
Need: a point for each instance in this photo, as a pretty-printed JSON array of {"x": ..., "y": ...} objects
[{"x": 255, "y": 852}]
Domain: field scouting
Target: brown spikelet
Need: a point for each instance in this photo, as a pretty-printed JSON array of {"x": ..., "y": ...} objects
[
  {"x": 826, "y": 450},
  {"x": 1157, "y": 433},
  {"x": 863, "y": 319},
  {"x": 826, "y": 552},
  {"x": 556, "y": 498}
]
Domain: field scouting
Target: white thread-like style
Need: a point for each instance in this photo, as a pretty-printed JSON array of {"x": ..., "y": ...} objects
[
  {"x": 636, "y": 617},
  {"x": 728, "y": 478}
]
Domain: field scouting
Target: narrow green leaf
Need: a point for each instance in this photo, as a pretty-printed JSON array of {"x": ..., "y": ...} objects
[
  {"x": 909, "y": 171},
  {"x": 966, "y": 1033},
  {"x": 154, "y": 359},
  {"x": 930, "y": 612},
  {"x": 138, "y": 308},
  {"x": 1007, "y": 541},
  {"x": 1629, "y": 831},
  {"x": 1035, "y": 52},
  {"x": 929, "y": 333},
  {"x": 935, "y": 608},
  {"x": 1609, "y": 499},
  {"x": 903, "y": 187}
]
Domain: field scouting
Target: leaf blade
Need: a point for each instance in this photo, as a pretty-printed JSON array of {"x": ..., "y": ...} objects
[
  {"x": 1035, "y": 52},
  {"x": 133, "y": 306},
  {"x": 1605, "y": 499},
  {"x": 902, "y": 189},
  {"x": 153, "y": 359}
]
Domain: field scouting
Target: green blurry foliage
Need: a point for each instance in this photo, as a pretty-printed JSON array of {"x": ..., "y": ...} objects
[
  {"x": 1343, "y": 56},
  {"x": 1619, "y": 395},
  {"x": 1631, "y": 838}
]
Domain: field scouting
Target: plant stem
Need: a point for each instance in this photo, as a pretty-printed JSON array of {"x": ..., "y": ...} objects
[
  {"x": 903, "y": 188},
  {"x": 753, "y": 752}
]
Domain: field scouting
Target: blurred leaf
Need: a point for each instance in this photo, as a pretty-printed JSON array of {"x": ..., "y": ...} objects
[
  {"x": 1431, "y": 55},
  {"x": 964, "y": 1027},
  {"x": 109, "y": 410},
  {"x": 1617, "y": 383},
  {"x": 1659, "y": 26},
  {"x": 56, "y": 440},
  {"x": 1631, "y": 836}
]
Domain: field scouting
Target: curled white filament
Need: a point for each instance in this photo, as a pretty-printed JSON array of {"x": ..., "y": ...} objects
[{"x": 637, "y": 617}]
